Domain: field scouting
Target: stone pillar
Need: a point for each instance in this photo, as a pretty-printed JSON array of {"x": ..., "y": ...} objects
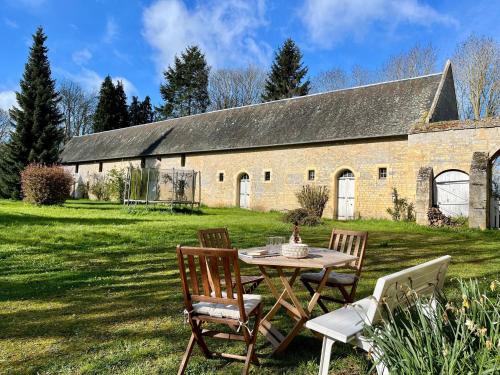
[
  {"x": 423, "y": 198},
  {"x": 479, "y": 191}
]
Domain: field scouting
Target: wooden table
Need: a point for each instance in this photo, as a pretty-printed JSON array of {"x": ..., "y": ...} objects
[{"x": 318, "y": 258}]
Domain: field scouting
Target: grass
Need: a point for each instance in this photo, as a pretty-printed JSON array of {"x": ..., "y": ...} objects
[{"x": 92, "y": 288}]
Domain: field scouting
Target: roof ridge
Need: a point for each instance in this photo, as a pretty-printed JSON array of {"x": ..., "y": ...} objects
[{"x": 270, "y": 102}]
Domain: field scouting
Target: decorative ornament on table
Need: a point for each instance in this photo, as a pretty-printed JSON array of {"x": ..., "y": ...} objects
[{"x": 295, "y": 237}]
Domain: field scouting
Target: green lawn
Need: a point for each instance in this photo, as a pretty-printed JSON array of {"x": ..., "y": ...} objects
[{"x": 90, "y": 288}]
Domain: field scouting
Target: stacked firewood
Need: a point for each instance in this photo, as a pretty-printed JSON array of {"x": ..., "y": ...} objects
[{"x": 438, "y": 219}]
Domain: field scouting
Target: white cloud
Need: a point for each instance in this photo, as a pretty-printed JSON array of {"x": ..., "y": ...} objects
[
  {"x": 91, "y": 81},
  {"x": 82, "y": 56},
  {"x": 7, "y": 99},
  {"x": 224, "y": 30},
  {"x": 111, "y": 31},
  {"x": 329, "y": 21},
  {"x": 10, "y": 23}
]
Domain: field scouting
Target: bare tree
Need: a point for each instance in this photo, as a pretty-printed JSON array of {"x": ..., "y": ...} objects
[
  {"x": 361, "y": 76},
  {"x": 230, "y": 88},
  {"x": 476, "y": 65},
  {"x": 78, "y": 108},
  {"x": 5, "y": 126},
  {"x": 418, "y": 61},
  {"x": 333, "y": 79}
]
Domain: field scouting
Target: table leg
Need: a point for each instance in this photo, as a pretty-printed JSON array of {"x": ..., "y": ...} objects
[{"x": 317, "y": 293}]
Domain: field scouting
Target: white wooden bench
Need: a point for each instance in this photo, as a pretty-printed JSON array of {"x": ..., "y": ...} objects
[{"x": 346, "y": 324}]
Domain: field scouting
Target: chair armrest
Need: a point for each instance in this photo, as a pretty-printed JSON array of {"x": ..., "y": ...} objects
[{"x": 343, "y": 324}]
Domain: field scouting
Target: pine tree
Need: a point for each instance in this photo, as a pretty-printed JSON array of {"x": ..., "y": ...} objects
[
  {"x": 147, "y": 114},
  {"x": 104, "y": 116},
  {"x": 121, "y": 106},
  {"x": 286, "y": 75},
  {"x": 186, "y": 88},
  {"x": 112, "y": 111},
  {"x": 37, "y": 136},
  {"x": 134, "y": 111}
]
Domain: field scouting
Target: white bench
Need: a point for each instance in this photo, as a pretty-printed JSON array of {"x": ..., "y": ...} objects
[{"x": 346, "y": 324}]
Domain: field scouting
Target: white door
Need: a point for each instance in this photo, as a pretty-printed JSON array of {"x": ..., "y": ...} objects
[
  {"x": 451, "y": 193},
  {"x": 244, "y": 191},
  {"x": 345, "y": 196},
  {"x": 495, "y": 213},
  {"x": 495, "y": 194}
]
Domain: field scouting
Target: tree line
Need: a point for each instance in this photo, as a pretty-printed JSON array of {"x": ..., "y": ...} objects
[{"x": 47, "y": 115}]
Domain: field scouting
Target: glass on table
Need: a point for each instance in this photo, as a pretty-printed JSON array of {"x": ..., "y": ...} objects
[{"x": 274, "y": 244}]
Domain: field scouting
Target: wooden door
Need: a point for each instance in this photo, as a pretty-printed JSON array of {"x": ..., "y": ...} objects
[
  {"x": 345, "y": 196},
  {"x": 451, "y": 193},
  {"x": 495, "y": 194},
  {"x": 244, "y": 191}
]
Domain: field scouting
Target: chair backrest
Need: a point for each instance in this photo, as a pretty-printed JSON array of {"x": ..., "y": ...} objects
[
  {"x": 351, "y": 243},
  {"x": 195, "y": 265},
  {"x": 402, "y": 287},
  {"x": 214, "y": 238}
]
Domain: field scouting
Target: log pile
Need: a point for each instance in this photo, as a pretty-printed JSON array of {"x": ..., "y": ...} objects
[{"x": 438, "y": 219}]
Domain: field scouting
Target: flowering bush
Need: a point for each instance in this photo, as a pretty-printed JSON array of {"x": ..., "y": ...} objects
[
  {"x": 45, "y": 185},
  {"x": 454, "y": 338}
]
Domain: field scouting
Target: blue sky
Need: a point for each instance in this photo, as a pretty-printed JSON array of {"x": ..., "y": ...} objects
[{"x": 136, "y": 40}]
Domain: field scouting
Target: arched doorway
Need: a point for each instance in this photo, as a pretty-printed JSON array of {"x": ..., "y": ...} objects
[
  {"x": 345, "y": 195},
  {"x": 451, "y": 193},
  {"x": 495, "y": 193},
  {"x": 244, "y": 191}
]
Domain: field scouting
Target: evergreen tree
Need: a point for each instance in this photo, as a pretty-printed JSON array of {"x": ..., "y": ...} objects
[
  {"x": 121, "y": 106},
  {"x": 186, "y": 88},
  {"x": 112, "y": 111},
  {"x": 134, "y": 111},
  {"x": 37, "y": 136},
  {"x": 286, "y": 75},
  {"x": 147, "y": 114}
]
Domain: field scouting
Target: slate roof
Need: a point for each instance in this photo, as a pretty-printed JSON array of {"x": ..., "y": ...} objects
[{"x": 378, "y": 110}]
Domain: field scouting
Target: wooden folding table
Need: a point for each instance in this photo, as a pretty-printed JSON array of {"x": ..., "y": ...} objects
[{"x": 318, "y": 258}]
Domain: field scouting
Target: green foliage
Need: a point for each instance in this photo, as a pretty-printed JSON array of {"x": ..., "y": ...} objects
[
  {"x": 453, "y": 339},
  {"x": 116, "y": 183},
  {"x": 286, "y": 75},
  {"x": 313, "y": 198},
  {"x": 186, "y": 88},
  {"x": 140, "y": 112},
  {"x": 402, "y": 209},
  {"x": 37, "y": 136},
  {"x": 112, "y": 111},
  {"x": 99, "y": 187},
  {"x": 45, "y": 185}
]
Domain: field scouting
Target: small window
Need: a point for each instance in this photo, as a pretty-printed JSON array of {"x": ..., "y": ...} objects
[
  {"x": 100, "y": 166},
  {"x": 143, "y": 162},
  {"x": 382, "y": 173},
  {"x": 158, "y": 158},
  {"x": 76, "y": 168},
  {"x": 183, "y": 160},
  {"x": 267, "y": 176},
  {"x": 311, "y": 174},
  {"x": 221, "y": 177}
]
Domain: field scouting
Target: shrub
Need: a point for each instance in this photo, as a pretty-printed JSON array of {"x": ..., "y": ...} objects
[
  {"x": 99, "y": 187},
  {"x": 116, "y": 182},
  {"x": 46, "y": 185},
  {"x": 302, "y": 216},
  {"x": 402, "y": 209},
  {"x": 452, "y": 339},
  {"x": 313, "y": 198}
]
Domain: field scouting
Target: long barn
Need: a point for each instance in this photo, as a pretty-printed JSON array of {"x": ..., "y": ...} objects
[{"x": 360, "y": 142}]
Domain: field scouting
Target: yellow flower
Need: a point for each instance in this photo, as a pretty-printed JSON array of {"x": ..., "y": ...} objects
[
  {"x": 465, "y": 303},
  {"x": 489, "y": 344},
  {"x": 493, "y": 286}
]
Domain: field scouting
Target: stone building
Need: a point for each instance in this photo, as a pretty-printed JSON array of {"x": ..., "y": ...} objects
[{"x": 359, "y": 142}]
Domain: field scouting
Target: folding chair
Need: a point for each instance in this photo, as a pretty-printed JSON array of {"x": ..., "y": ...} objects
[
  {"x": 211, "y": 304},
  {"x": 349, "y": 242},
  {"x": 219, "y": 238}
]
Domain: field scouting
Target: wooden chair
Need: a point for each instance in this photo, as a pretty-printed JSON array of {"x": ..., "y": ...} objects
[
  {"x": 349, "y": 242},
  {"x": 219, "y": 238},
  {"x": 346, "y": 324},
  {"x": 212, "y": 304}
]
